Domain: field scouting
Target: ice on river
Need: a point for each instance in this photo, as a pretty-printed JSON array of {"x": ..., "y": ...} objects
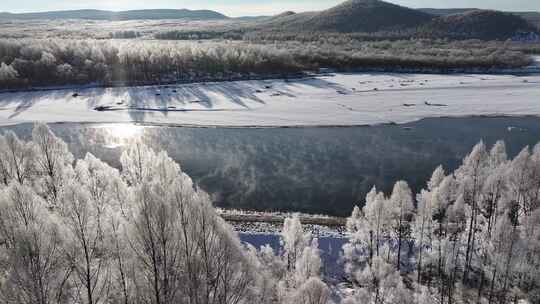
[{"x": 333, "y": 100}]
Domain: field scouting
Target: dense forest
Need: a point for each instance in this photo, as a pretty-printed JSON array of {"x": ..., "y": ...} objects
[
  {"x": 471, "y": 236},
  {"x": 26, "y": 63},
  {"x": 84, "y": 232},
  {"x": 80, "y": 231}
]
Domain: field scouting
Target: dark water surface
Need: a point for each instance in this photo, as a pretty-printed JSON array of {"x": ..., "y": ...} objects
[
  {"x": 330, "y": 250},
  {"x": 314, "y": 170}
]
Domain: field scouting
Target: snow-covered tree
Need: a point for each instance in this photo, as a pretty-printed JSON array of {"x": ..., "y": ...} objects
[
  {"x": 16, "y": 159},
  {"x": 380, "y": 283},
  {"x": 268, "y": 270},
  {"x": 8, "y": 74},
  {"x": 86, "y": 250},
  {"x": 294, "y": 240},
  {"x": 401, "y": 209},
  {"x": 185, "y": 252},
  {"x": 473, "y": 229},
  {"x": 308, "y": 265},
  {"x": 377, "y": 215},
  {"x": 32, "y": 262},
  {"x": 85, "y": 232},
  {"x": 422, "y": 229},
  {"x": 471, "y": 176},
  {"x": 312, "y": 291},
  {"x": 53, "y": 162}
]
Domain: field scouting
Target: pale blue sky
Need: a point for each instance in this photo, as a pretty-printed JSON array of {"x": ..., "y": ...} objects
[{"x": 248, "y": 7}]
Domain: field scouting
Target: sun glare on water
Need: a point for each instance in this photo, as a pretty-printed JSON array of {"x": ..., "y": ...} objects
[
  {"x": 126, "y": 131},
  {"x": 122, "y": 134}
]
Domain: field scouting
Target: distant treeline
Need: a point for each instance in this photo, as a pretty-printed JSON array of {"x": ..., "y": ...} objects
[
  {"x": 270, "y": 34},
  {"x": 199, "y": 35},
  {"x": 31, "y": 62},
  {"x": 124, "y": 35},
  {"x": 527, "y": 48},
  {"x": 34, "y": 62},
  {"x": 348, "y": 40}
]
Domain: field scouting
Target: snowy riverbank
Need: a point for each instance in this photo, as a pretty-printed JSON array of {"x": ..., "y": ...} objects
[
  {"x": 334, "y": 100},
  {"x": 271, "y": 223}
]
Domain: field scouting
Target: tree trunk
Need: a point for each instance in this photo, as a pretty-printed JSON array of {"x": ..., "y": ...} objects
[
  {"x": 420, "y": 248},
  {"x": 508, "y": 262},
  {"x": 490, "y": 300},
  {"x": 370, "y": 246}
]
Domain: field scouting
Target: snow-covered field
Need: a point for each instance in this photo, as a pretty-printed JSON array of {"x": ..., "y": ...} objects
[{"x": 333, "y": 100}]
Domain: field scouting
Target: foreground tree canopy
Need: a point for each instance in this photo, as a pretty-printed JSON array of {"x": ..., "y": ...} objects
[
  {"x": 80, "y": 231},
  {"x": 84, "y": 232},
  {"x": 472, "y": 236}
]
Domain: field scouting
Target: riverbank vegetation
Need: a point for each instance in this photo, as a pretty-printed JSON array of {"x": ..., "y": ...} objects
[
  {"x": 80, "y": 231},
  {"x": 471, "y": 236},
  {"x": 83, "y": 232},
  {"x": 27, "y": 63}
]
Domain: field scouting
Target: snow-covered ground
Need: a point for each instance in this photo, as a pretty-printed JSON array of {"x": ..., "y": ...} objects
[{"x": 334, "y": 100}]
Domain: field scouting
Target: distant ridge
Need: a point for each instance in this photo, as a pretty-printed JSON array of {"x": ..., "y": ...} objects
[
  {"x": 380, "y": 18},
  {"x": 354, "y": 16},
  {"x": 91, "y": 14},
  {"x": 532, "y": 17},
  {"x": 446, "y": 11},
  {"x": 478, "y": 24},
  {"x": 369, "y": 18}
]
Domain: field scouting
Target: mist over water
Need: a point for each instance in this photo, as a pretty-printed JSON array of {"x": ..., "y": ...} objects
[{"x": 314, "y": 170}]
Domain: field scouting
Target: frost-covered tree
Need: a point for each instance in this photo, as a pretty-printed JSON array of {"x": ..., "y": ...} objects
[
  {"x": 88, "y": 233},
  {"x": 380, "y": 283},
  {"x": 53, "y": 163},
  {"x": 401, "y": 209},
  {"x": 122, "y": 259},
  {"x": 471, "y": 176},
  {"x": 368, "y": 231},
  {"x": 16, "y": 159},
  {"x": 529, "y": 262},
  {"x": 33, "y": 62},
  {"x": 294, "y": 240},
  {"x": 8, "y": 74},
  {"x": 283, "y": 281},
  {"x": 422, "y": 229},
  {"x": 86, "y": 250},
  {"x": 32, "y": 264},
  {"x": 475, "y": 232},
  {"x": 137, "y": 163},
  {"x": 308, "y": 265},
  {"x": 359, "y": 249},
  {"x": 425, "y": 220},
  {"x": 377, "y": 216},
  {"x": 268, "y": 270},
  {"x": 185, "y": 252},
  {"x": 312, "y": 291}
]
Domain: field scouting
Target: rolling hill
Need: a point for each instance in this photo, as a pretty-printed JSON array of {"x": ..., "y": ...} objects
[
  {"x": 375, "y": 18},
  {"x": 531, "y": 17},
  {"x": 446, "y": 11},
  {"x": 152, "y": 14},
  {"x": 476, "y": 24},
  {"x": 383, "y": 18},
  {"x": 352, "y": 16},
  {"x": 369, "y": 16}
]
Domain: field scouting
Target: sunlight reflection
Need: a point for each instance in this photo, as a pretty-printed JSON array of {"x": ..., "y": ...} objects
[{"x": 122, "y": 134}]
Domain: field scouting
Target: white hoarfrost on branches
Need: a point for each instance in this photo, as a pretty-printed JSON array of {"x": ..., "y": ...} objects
[
  {"x": 80, "y": 231},
  {"x": 470, "y": 236},
  {"x": 84, "y": 232}
]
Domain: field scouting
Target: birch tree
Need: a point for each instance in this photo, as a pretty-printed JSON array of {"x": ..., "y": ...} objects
[
  {"x": 32, "y": 261},
  {"x": 401, "y": 210},
  {"x": 53, "y": 162}
]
